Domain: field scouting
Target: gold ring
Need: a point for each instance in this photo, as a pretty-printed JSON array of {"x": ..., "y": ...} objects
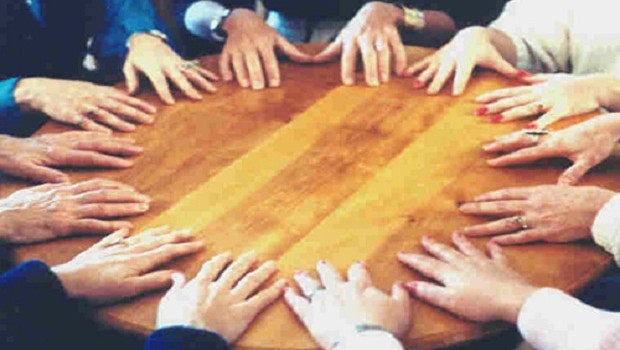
[{"x": 521, "y": 221}]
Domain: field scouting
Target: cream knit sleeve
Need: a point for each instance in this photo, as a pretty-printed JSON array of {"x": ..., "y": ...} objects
[
  {"x": 540, "y": 31},
  {"x": 606, "y": 228}
]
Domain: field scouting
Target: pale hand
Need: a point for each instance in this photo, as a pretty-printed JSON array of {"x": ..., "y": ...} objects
[
  {"x": 225, "y": 305},
  {"x": 373, "y": 33},
  {"x": 471, "y": 285},
  {"x": 250, "y": 51},
  {"x": 553, "y": 213},
  {"x": 332, "y": 307},
  {"x": 586, "y": 144},
  {"x": 155, "y": 59},
  {"x": 86, "y": 105},
  {"x": 120, "y": 266},
  {"x": 33, "y": 158},
  {"x": 48, "y": 212},
  {"x": 552, "y": 96},
  {"x": 470, "y": 48}
]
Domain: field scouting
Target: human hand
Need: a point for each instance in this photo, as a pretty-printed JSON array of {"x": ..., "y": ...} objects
[
  {"x": 251, "y": 41},
  {"x": 33, "y": 158},
  {"x": 86, "y": 105},
  {"x": 554, "y": 213},
  {"x": 153, "y": 57},
  {"x": 473, "y": 286},
  {"x": 374, "y": 33},
  {"x": 119, "y": 266},
  {"x": 471, "y": 47},
  {"x": 586, "y": 144},
  {"x": 333, "y": 307},
  {"x": 53, "y": 211},
  {"x": 225, "y": 305},
  {"x": 555, "y": 96}
]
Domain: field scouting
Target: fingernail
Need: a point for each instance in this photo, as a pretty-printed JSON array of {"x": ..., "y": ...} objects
[
  {"x": 496, "y": 118},
  {"x": 348, "y": 81},
  {"x": 373, "y": 83},
  {"x": 144, "y": 198},
  {"x": 523, "y": 74},
  {"x": 418, "y": 84},
  {"x": 481, "y": 111},
  {"x": 245, "y": 83},
  {"x": 144, "y": 207},
  {"x": 531, "y": 126},
  {"x": 274, "y": 83}
]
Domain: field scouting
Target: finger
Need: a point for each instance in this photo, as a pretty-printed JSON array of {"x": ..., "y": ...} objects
[
  {"x": 497, "y": 253},
  {"x": 548, "y": 118},
  {"x": 98, "y": 227},
  {"x": 359, "y": 276},
  {"x": 500, "y": 65},
  {"x": 427, "y": 266},
  {"x": 135, "y": 102},
  {"x": 224, "y": 63},
  {"x": 418, "y": 67},
  {"x": 87, "y": 124},
  {"x": 524, "y": 111},
  {"x": 199, "y": 80},
  {"x": 151, "y": 282},
  {"x": 255, "y": 69},
  {"x": 110, "y": 146},
  {"x": 292, "y": 52},
  {"x": 252, "y": 281},
  {"x": 147, "y": 261},
  {"x": 502, "y": 94},
  {"x": 212, "y": 268},
  {"x": 38, "y": 173},
  {"x": 509, "y": 103},
  {"x": 160, "y": 84},
  {"x": 466, "y": 247},
  {"x": 240, "y": 70},
  {"x": 236, "y": 271},
  {"x": 264, "y": 298},
  {"x": 464, "y": 69},
  {"x": 497, "y": 227},
  {"x": 432, "y": 294},
  {"x": 400, "y": 295},
  {"x": 181, "y": 82},
  {"x": 155, "y": 242},
  {"x": 104, "y": 211},
  {"x": 307, "y": 284},
  {"x": 384, "y": 60},
  {"x": 330, "y": 52},
  {"x": 440, "y": 251},
  {"x": 523, "y": 156},
  {"x": 497, "y": 208},
  {"x": 507, "y": 194},
  {"x": 348, "y": 62},
  {"x": 207, "y": 73},
  {"x": 97, "y": 184},
  {"x": 526, "y": 236},
  {"x": 511, "y": 143},
  {"x": 178, "y": 282},
  {"x": 400, "y": 55},
  {"x": 445, "y": 71},
  {"x": 272, "y": 68},
  {"x": 117, "y": 107},
  {"x": 111, "y": 196},
  {"x": 131, "y": 78},
  {"x": 370, "y": 60},
  {"x": 330, "y": 278},
  {"x": 116, "y": 236},
  {"x": 88, "y": 159},
  {"x": 426, "y": 76},
  {"x": 573, "y": 174},
  {"x": 297, "y": 303}
]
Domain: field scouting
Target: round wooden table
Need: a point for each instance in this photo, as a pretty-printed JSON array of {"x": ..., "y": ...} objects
[{"x": 315, "y": 170}]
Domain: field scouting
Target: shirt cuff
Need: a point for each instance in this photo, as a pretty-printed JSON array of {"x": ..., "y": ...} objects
[
  {"x": 370, "y": 340},
  {"x": 10, "y": 112},
  {"x": 606, "y": 228}
]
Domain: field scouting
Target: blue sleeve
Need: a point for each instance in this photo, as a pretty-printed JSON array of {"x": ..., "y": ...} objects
[
  {"x": 181, "y": 6},
  {"x": 10, "y": 113},
  {"x": 181, "y": 338},
  {"x": 122, "y": 19},
  {"x": 32, "y": 300}
]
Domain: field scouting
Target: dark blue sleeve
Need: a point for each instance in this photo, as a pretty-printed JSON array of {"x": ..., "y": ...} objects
[
  {"x": 181, "y": 6},
  {"x": 182, "y": 338},
  {"x": 122, "y": 19},
  {"x": 10, "y": 113},
  {"x": 32, "y": 301}
]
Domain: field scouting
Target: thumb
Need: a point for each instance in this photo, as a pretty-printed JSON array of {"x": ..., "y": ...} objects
[
  {"x": 500, "y": 65},
  {"x": 292, "y": 52},
  {"x": 329, "y": 53},
  {"x": 573, "y": 174},
  {"x": 131, "y": 78},
  {"x": 400, "y": 294},
  {"x": 39, "y": 173}
]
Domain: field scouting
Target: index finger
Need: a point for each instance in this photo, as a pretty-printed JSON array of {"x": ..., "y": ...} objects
[
  {"x": 329, "y": 53},
  {"x": 527, "y": 155}
]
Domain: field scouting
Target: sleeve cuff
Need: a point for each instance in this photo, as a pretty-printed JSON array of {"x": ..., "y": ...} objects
[
  {"x": 185, "y": 338},
  {"x": 606, "y": 228},
  {"x": 10, "y": 113}
]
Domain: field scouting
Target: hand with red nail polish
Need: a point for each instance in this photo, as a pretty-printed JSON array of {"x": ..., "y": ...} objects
[
  {"x": 472, "y": 47},
  {"x": 586, "y": 144},
  {"x": 496, "y": 118},
  {"x": 468, "y": 283},
  {"x": 550, "y": 96}
]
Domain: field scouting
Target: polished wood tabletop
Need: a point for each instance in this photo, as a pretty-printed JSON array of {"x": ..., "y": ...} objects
[{"x": 315, "y": 170}]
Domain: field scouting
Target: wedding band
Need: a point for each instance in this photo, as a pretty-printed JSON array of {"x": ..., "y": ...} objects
[
  {"x": 187, "y": 65},
  {"x": 537, "y": 134},
  {"x": 379, "y": 45},
  {"x": 521, "y": 221}
]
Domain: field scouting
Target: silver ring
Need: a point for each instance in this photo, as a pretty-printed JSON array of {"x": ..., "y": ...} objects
[
  {"x": 379, "y": 45},
  {"x": 521, "y": 221},
  {"x": 187, "y": 65}
]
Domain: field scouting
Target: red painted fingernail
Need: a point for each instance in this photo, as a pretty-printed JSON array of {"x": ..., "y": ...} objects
[
  {"x": 418, "y": 84},
  {"x": 523, "y": 74},
  {"x": 531, "y": 126},
  {"x": 481, "y": 111},
  {"x": 495, "y": 118}
]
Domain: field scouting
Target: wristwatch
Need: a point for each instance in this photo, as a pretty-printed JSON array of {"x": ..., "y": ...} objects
[
  {"x": 206, "y": 19},
  {"x": 413, "y": 17}
]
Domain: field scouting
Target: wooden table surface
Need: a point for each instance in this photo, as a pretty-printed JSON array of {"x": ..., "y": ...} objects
[{"x": 314, "y": 170}]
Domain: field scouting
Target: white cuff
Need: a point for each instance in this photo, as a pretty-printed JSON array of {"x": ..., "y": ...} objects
[
  {"x": 606, "y": 228},
  {"x": 370, "y": 340}
]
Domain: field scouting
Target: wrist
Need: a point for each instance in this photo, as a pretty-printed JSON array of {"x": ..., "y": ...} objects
[
  {"x": 511, "y": 308},
  {"x": 611, "y": 123},
  {"x": 68, "y": 281},
  {"x": 229, "y": 24}
]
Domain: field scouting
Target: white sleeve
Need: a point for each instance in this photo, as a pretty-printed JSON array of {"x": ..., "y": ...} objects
[
  {"x": 606, "y": 228},
  {"x": 370, "y": 340},
  {"x": 540, "y": 31},
  {"x": 553, "y": 320}
]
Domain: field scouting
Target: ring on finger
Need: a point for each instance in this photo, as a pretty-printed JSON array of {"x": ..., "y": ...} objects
[
  {"x": 379, "y": 45},
  {"x": 522, "y": 222},
  {"x": 187, "y": 65}
]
